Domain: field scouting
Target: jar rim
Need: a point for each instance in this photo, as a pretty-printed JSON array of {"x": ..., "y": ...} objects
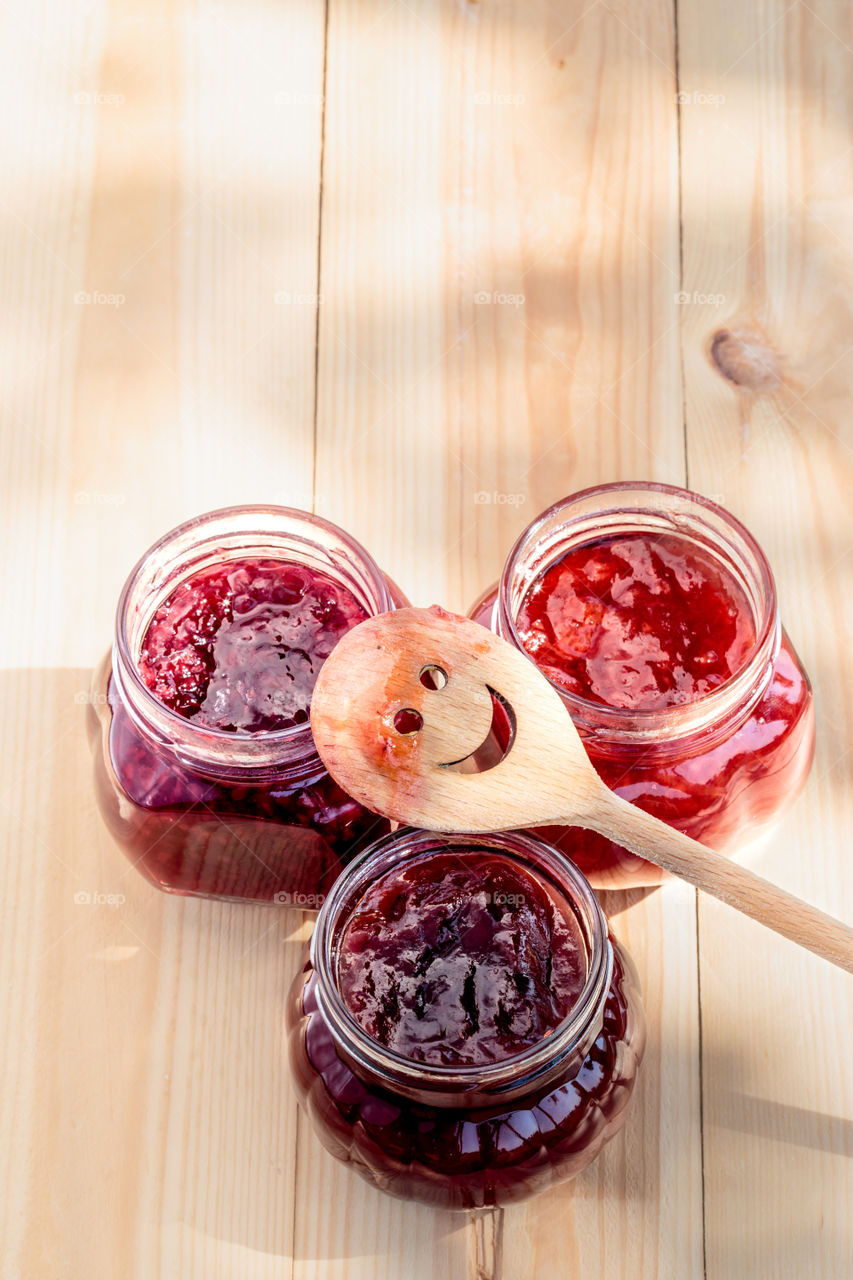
[
  {"x": 746, "y": 684},
  {"x": 408, "y": 1075},
  {"x": 266, "y": 744}
]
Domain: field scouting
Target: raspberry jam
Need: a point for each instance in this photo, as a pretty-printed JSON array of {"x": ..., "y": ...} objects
[
  {"x": 654, "y": 613},
  {"x": 465, "y": 1031},
  {"x": 239, "y": 648},
  {"x": 206, "y": 772}
]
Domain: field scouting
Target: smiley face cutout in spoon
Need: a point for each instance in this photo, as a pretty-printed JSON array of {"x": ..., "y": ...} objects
[{"x": 405, "y": 698}]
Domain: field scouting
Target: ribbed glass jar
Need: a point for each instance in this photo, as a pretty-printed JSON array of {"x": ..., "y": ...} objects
[
  {"x": 485, "y": 1133},
  {"x": 722, "y": 767},
  {"x": 207, "y": 811}
]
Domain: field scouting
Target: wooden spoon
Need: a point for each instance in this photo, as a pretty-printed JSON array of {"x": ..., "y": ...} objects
[{"x": 405, "y": 698}]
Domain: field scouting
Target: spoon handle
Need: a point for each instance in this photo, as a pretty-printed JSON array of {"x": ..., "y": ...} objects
[{"x": 747, "y": 892}]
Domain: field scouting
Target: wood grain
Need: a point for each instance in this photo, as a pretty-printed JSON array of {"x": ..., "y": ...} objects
[
  {"x": 187, "y": 157},
  {"x": 167, "y": 156},
  {"x": 774, "y": 241},
  {"x": 142, "y": 1099},
  {"x": 499, "y": 270},
  {"x": 482, "y": 150}
]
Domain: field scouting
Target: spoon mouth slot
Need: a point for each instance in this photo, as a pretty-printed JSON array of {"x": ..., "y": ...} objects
[{"x": 497, "y": 743}]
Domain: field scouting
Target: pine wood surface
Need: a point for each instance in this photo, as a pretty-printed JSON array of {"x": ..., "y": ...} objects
[{"x": 426, "y": 266}]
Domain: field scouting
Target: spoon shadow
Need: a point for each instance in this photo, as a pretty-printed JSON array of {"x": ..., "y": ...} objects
[{"x": 782, "y": 1122}]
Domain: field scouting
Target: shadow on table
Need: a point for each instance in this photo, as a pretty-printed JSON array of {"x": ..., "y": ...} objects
[{"x": 784, "y": 1123}]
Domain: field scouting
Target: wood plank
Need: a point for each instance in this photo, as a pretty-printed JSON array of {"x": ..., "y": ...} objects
[
  {"x": 149, "y": 1130},
  {"x": 504, "y": 150},
  {"x": 773, "y": 240},
  {"x": 186, "y": 182},
  {"x": 171, "y": 155},
  {"x": 617, "y": 1218},
  {"x": 483, "y": 150}
]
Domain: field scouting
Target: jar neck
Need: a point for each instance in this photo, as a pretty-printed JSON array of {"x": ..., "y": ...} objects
[
  {"x": 234, "y": 533},
  {"x": 489, "y": 1084},
  {"x": 658, "y": 510}
]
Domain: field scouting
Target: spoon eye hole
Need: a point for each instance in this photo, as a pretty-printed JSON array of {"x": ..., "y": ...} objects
[
  {"x": 433, "y": 676},
  {"x": 408, "y": 721}
]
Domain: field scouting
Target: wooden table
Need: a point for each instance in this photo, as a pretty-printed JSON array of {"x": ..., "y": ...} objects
[{"x": 427, "y": 266}]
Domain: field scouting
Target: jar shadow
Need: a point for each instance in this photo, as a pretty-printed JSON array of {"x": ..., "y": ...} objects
[{"x": 616, "y": 901}]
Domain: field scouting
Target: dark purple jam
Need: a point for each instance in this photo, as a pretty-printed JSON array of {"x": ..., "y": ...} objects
[{"x": 461, "y": 961}]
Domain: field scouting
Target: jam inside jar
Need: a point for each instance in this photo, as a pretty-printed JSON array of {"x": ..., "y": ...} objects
[
  {"x": 654, "y": 614},
  {"x": 206, "y": 772},
  {"x": 465, "y": 1031}
]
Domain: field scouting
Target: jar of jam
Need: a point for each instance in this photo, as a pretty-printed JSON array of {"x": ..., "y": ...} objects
[
  {"x": 206, "y": 771},
  {"x": 653, "y": 612},
  {"x": 465, "y": 1032}
]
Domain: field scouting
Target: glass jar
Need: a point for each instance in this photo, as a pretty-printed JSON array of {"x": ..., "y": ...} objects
[
  {"x": 721, "y": 767},
  {"x": 467, "y": 1136},
  {"x": 208, "y": 811}
]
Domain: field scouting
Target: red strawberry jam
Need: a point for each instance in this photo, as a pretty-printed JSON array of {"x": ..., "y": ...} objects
[
  {"x": 454, "y": 961},
  {"x": 668, "y": 651},
  {"x": 637, "y": 621},
  {"x": 239, "y": 647}
]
